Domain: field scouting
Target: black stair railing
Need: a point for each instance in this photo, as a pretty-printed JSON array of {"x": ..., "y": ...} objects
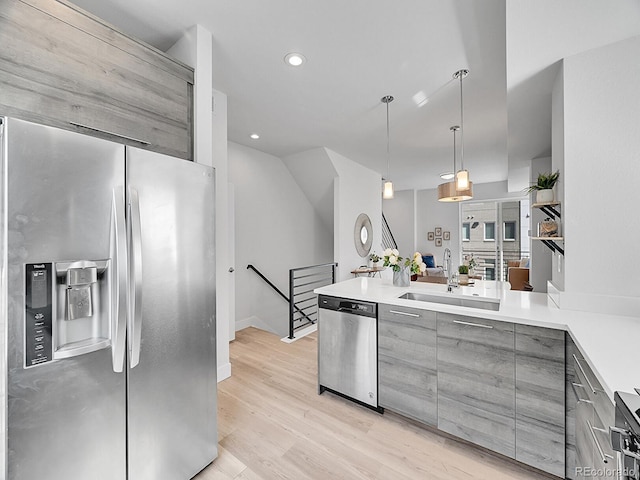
[
  {"x": 303, "y": 306},
  {"x": 387, "y": 237},
  {"x": 296, "y": 312}
]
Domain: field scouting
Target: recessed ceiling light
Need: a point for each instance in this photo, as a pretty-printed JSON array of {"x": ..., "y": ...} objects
[
  {"x": 294, "y": 59},
  {"x": 254, "y": 136},
  {"x": 447, "y": 176}
]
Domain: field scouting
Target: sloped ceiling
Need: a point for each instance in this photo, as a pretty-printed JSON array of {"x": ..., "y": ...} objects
[{"x": 360, "y": 50}]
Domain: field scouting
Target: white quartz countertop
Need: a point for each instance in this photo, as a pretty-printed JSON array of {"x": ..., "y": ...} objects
[{"x": 608, "y": 343}]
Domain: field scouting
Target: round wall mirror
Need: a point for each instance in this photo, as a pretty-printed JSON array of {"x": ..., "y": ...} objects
[{"x": 363, "y": 234}]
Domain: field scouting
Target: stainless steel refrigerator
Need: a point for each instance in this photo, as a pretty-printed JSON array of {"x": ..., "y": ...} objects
[{"x": 107, "y": 293}]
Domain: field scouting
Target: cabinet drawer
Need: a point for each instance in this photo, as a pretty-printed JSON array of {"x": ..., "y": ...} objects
[
  {"x": 407, "y": 381},
  {"x": 407, "y": 333},
  {"x": 589, "y": 386},
  {"x": 594, "y": 452},
  {"x": 476, "y": 381}
]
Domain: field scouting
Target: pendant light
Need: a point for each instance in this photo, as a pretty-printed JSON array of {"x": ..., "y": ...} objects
[
  {"x": 448, "y": 192},
  {"x": 387, "y": 192},
  {"x": 463, "y": 184}
]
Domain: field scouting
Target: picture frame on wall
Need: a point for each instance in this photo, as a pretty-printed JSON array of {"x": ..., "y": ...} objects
[
  {"x": 438, "y": 232},
  {"x": 430, "y": 236},
  {"x": 438, "y": 242},
  {"x": 446, "y": 235}
]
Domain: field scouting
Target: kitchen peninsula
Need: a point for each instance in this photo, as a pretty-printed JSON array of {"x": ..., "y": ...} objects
[{"x": 504, "y": 378}]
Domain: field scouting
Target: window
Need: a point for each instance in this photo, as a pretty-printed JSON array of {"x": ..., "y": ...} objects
[
  {"x": 490, "y": 230},
  {"x": 490, "y": 269},
  {"x": 466, "y": 232},
  {"x": 510, "y": 231}
]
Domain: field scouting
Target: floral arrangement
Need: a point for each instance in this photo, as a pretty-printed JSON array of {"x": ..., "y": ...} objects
[
  {"x": 393, "y": 259},
  {"x": 374, "y": 257},
  {"x": 470, "y": 261}
]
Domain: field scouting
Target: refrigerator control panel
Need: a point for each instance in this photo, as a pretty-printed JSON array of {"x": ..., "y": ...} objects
[{"x": 38, "y": 314}]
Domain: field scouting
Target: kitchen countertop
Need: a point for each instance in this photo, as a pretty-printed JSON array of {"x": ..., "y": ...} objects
[{"x": 608, "y": 343}]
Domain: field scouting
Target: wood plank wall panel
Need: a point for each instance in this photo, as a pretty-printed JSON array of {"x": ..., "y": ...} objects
[
  {"x": 476, "y": 381},
  {"x": 407, "y": 379},
  {"x": 540, "y": 397},
  {"x": 57, "y": 73}
]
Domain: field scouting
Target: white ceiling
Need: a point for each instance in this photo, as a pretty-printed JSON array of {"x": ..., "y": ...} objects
[{"x": 361, "y": 50}]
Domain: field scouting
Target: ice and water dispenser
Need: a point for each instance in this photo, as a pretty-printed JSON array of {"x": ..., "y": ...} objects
[{"x": 67, "y": 309}]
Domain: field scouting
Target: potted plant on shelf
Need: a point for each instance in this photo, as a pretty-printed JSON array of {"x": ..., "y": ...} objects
[
  {"x": 544, "y": 186},
  {"x": 374, "y": 258},
  {"x": 463, "y": 275}
]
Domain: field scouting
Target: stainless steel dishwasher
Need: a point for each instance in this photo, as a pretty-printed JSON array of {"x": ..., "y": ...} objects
[{"x": 348, "y": 349}]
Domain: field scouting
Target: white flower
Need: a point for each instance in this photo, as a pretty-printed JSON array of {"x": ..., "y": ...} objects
[
  {"x": 393, "y": 259},
  {"x": 423, "y": 267},
  {"x": 395, "y": 252},
  {"x": 417, "y": 257},
  {"x": 386, "y": 253}
]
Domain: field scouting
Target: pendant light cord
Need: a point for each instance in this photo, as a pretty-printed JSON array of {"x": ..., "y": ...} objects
[
  {"x": 388, "y": 99},
  {"x": 454, "y": 151},
  {"x": 461, "y": 128},
  {"x": 388, "y": 154}
]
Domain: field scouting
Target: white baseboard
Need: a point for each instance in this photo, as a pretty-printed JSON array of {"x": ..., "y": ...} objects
[
  {"x": 253, "y": 321},
  {"x": 300, "y": 333},
  {"x": 224, "y": 372}
]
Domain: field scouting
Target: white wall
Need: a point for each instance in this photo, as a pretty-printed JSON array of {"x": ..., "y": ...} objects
[
  {"x": 224, "y": 292},
  {"x": 400, "y": 213},
  {"x": 276, "y": 229},
  {"x": 540, "y": 266},
  {"x": 431, "y": 213},
  {"x": 557, "y": 163},
  {"x": 600, "y": 178},
  {"x": 357, "y": 190},
  {"x": 195, "y": 49},
  {"x": 314, "y": 172}
]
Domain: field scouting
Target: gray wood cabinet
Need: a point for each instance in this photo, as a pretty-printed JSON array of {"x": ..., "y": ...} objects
[
  {"x": 407, "y": 381},
  {"x": 540, "y": 391},
  {"x": 63, "y": 67},
  {"x": 571, "y": 401},
  {"x": 595, "y": 413},
  {"x": 476, "y": 381}
]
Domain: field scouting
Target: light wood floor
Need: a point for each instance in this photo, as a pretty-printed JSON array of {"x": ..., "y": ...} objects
[{"x": 274, "y": 425}]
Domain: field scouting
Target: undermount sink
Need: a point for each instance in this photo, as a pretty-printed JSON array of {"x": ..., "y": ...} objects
[{"x": 484, "y": 304}]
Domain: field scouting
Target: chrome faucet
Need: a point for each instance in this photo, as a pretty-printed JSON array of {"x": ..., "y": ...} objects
[{"x": 446, "y": 261}]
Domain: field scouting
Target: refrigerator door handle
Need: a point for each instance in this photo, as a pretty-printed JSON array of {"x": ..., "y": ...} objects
[
  {"x": 119, "y": 279},
  {"x": 135, "y": 285}
]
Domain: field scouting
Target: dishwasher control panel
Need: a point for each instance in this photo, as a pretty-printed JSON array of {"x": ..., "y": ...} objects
[{"x": 366, "y": 309}]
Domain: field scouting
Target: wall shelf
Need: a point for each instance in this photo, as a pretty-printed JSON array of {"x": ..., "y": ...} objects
[{"x": 550, "y": 210}]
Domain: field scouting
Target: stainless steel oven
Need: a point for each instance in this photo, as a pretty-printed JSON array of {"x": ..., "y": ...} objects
[{"x": 625, "y": 436}]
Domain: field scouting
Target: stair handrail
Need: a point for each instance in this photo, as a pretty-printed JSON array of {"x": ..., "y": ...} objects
[
  {"x": 292, "y": 306},
  {"x": 268, "y": 281}
]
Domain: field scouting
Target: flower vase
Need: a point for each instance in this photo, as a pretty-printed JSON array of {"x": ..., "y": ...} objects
[{"x": 401, "y": 277}]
